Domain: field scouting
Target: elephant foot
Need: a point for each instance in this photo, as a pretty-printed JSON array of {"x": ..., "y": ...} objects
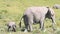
[
  {"x": 44, "y": 30},
  {"x": 25, "y": 30}
]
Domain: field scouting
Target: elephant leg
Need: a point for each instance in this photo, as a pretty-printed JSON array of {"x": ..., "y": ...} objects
[
  {"x": 26, "y": 23},
  {"x": 14, "y": 28},
  {"x": 31, "y": 23},
  {"x": 42, "y": 23},
  {"x": 9, "y": 28},
  {"x": 26, "y": 28},
  {"x": 53, "y": 22}
]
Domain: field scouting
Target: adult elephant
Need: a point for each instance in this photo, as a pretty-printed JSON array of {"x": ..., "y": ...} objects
[{"x": 37, "y": 14}]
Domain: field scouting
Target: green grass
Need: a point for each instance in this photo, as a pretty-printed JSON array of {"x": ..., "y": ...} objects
[{"x": 13, "y": 10}]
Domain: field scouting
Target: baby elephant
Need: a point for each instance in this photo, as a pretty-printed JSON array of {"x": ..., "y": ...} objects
[{"x": 11, "y": 26}]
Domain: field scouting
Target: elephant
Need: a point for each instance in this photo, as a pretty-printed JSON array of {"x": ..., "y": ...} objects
[
  {"x": 11, "y": 26},
  {"x": 35, "y": 15},
  {"x": 56, "y": 6}
]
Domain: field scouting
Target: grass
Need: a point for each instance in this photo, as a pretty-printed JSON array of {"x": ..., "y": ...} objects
[{"x": 13, "y": 10}]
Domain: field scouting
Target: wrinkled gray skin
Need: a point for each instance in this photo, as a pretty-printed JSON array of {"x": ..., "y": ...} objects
[
  {"x": 37, "y": 14},
  {"x": 56, "y": 6},
  {"x": 11, "y": 26}
]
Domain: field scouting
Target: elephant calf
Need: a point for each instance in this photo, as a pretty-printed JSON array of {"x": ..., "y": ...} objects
[
  {"x": 37, "y": 14},
  {"x": 11, "y": 26}
]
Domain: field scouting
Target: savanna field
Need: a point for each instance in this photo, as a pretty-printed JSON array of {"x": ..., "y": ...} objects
[{"x": 14, "y": 9}]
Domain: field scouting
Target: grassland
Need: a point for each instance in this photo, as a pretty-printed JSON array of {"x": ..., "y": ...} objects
[{"x": 13, "y": 10}]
